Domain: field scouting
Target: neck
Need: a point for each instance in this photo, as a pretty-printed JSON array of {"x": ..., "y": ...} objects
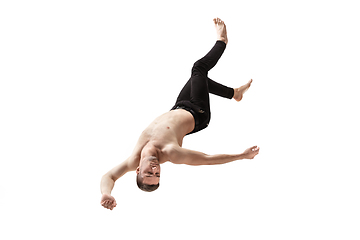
[{"x": 150, "y": 150}]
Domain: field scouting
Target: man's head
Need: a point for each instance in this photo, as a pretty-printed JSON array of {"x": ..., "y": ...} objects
[{"x": 148, "y": 174}]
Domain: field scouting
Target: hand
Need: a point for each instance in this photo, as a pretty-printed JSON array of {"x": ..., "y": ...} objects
[
  {"x": 250, "y": 153},
  {"x": 107, "y": 201}
]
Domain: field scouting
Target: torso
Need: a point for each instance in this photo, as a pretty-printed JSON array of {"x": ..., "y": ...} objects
[
  {"x": 170, "y": 127},
  {"x": 165, "y": 131}
]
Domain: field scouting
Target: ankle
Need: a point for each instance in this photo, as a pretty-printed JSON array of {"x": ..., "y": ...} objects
[
  {"x": 222, "y": 39},
  {"x": 234, "y": 93}
]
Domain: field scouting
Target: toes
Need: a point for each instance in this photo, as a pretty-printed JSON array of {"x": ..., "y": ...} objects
[{"x": 217, "y": 21}]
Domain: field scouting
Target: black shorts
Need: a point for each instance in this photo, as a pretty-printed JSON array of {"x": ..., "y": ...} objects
[{"x": 201, "y": 117}]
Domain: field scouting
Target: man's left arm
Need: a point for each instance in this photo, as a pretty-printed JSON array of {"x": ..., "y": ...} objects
[{"x": 180, "y": 155}]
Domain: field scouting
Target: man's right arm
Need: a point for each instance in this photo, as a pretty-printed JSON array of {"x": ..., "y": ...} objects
[{"x": 108, "y": 180}]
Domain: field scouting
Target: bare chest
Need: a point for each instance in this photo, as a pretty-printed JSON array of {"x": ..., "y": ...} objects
[{"x": 170, "y": 127}]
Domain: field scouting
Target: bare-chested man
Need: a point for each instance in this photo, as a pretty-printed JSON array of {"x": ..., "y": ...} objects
[{"x": 162, "y": 140}]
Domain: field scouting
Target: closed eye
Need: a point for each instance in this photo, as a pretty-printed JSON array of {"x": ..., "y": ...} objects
[{"x": 150, "y": 175}]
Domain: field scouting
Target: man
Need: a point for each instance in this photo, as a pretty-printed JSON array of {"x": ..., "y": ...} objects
[{"x": 162, "y": 140}]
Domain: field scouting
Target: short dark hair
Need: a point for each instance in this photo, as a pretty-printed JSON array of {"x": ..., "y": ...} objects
[{"x": 146, "y": 187}]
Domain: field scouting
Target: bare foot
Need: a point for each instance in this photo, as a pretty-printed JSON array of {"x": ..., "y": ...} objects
[
  {"x": 239, "y": 92},
  {"x": 220, "y": 30}
]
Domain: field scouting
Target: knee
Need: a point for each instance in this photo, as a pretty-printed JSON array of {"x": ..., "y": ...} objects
[{"x": 199, "y": 66}]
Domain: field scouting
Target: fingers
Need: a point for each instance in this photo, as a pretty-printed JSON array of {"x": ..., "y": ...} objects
[
  {"x": 218, "y": 21},
  {"x": 109, "y": 204},
  {"x": 254, "y": 148},
  {"x": 104, "y": 204},
  {"x": 254, "y": 151}
]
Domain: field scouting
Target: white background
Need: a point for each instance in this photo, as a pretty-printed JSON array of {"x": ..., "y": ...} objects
[{"x": 80, "y": 80}]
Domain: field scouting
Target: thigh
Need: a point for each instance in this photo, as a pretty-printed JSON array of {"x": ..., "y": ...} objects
[
  {"x": 196, "y": 91},
  {"x": 185, "y": 92},
  {"x": 199, "y": 94}
]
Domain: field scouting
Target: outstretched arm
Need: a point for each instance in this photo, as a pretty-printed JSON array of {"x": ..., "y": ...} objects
[
  {"x": 108, "y": 182},
  {"x": 130, "y": 164},
  {"x": 180, "y": 155}
]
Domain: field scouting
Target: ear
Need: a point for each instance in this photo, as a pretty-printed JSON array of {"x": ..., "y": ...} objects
[{"x": 137, "y": 170}]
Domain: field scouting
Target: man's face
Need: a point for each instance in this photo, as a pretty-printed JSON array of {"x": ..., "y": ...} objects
[{"x": 149, "y": 170}]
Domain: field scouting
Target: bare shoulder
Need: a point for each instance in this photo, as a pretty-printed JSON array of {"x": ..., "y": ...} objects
[
  {"x": 134, "y": 159},
  {"x": 171, "y": 151},
  {"x": 176, "y": 154},
  {"x": 180, "y": 155}
]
